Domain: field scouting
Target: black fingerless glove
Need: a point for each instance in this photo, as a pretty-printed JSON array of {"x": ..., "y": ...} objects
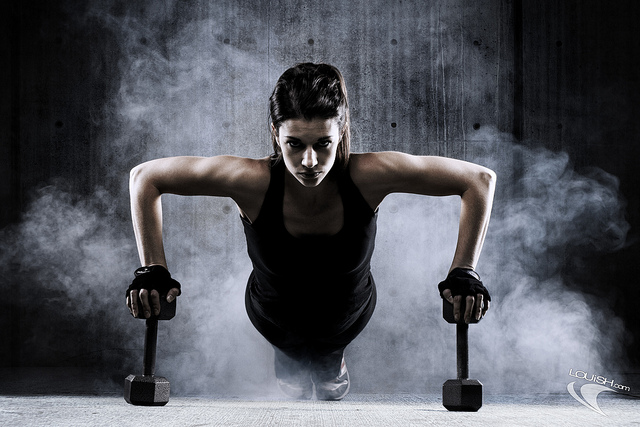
[
  {"x": 463, "y": 281},
  {"x": 154, "y": 277}
]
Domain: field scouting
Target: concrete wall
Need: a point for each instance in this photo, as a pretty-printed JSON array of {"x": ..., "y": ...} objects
[{"x": 545, "y": 94}]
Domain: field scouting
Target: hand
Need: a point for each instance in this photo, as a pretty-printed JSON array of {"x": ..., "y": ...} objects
[
  {"x": 474, "y": 306},
  {"x": 148, "y": 301},
  {"x": 465, "y": 283},
  {"x": 149, "y": 285}
]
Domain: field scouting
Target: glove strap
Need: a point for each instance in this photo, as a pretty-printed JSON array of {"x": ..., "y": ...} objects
[
  {"x": 157, "y": 269},
  {"x": 468, "y": 271}
]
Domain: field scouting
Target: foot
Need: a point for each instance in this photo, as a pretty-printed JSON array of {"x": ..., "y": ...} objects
[
  {"x": 299, "y": 387},
  {"x": 333, "y": 388}
]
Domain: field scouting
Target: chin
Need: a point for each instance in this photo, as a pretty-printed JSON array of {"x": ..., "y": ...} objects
[{"x": 310, "y": 183}]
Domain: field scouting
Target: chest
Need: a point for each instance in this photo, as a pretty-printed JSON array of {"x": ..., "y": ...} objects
[{"x": 313, "y": 217}]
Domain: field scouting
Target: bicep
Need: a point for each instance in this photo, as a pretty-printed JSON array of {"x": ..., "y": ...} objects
[
  {"x": 394, "y": 172},
  {"x": 186, "y": 175},
  {"x": 437, "y": 176}
]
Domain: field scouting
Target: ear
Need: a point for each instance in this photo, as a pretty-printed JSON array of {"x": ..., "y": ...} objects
[{"x": 275, "y": 134}]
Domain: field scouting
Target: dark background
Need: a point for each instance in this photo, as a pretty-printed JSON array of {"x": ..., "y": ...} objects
[{"x": 90, "y": 89}]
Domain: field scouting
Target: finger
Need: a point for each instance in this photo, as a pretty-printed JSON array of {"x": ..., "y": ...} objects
[
  {"x": 155, "y": 302},
  {"x": 446, "y": 294},
  {"x": 486, "y": 307},
  {"x": 172, "y": 294},
  {"x": 144, "y": 300},
  {"x": 134, "y": 302},
  {"x": 468, "y": 309},
  {"x": 479, "y": 306},
  {"x": 456, "y": 307}
]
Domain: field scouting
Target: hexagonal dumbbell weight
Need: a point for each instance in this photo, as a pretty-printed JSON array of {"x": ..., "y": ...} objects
[
  {"x": 461, "y": 394},
  {"x": 148, "y": 389}
]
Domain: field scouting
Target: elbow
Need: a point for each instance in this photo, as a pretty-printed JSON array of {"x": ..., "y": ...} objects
[
  {"x": 134, "y": 173},
  {"x": 488, "y": 177},
  {"x": 139, "y": 178},
  {"x": 483, "y": 182},
  {"x": 135, "y": 176},
  {"x": 487, "y": 180}
]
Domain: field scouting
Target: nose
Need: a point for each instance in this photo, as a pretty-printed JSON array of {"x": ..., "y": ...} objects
[{"x": 309, "y": 158}]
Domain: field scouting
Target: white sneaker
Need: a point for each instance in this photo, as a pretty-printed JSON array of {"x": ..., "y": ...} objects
[
  {"x": 335, "y": 388},
  {"x": 299, "y": 388}
]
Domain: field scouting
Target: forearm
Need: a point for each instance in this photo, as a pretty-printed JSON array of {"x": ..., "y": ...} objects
[
  {"x": 146, "y": 215},
  {"x": 476, "y": 204}
]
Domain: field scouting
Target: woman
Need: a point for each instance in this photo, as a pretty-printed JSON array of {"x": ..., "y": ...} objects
[{"x": 309, "y": 213}]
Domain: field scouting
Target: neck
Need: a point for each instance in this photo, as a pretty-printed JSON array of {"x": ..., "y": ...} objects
[{"x": 310, "y": 195}]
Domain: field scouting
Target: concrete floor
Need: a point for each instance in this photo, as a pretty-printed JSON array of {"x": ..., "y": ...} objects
[
  {"x": 356, "y": 410},
  {"x": 63, "y": 397}
]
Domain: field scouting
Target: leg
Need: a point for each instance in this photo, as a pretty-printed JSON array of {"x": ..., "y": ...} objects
[
  {"x": 292, "y": 373},
  {"x": 330, "y": 376},
  {"x": 329, "y": 370},
  {"x": 291, "y": 363}
]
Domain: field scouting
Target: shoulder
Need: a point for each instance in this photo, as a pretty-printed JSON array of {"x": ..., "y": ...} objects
[
  {"x": 376, "y": 169},
  {"x": 241, "y": 168},
  {"x": 244, "y": 175},
  {"x": 233, "y": 162},
  {"x": 383, "y": 161},
  {"x": 246, "y": 180},
  {"x": 375, "y": 174}
]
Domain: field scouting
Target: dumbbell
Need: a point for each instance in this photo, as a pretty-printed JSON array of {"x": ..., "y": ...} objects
[
  {"x": 461, "y": 394},
  {"x": 148, "y": 389}
]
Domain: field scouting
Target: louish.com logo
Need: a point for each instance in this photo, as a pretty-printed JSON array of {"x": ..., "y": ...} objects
[{"x": 589, "y": 392}]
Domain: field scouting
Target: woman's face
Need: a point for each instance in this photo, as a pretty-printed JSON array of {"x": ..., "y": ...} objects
[{"x": 309, "y": 148}]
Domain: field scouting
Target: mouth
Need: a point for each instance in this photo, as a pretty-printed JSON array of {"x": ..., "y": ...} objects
[{"x": 309, "y": 175}]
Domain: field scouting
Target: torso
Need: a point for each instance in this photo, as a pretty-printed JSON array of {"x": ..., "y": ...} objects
[{"x": 311, "y": 256}]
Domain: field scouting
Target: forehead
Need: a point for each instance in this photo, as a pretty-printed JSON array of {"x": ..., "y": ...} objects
[{"x": 313, "y": 127}]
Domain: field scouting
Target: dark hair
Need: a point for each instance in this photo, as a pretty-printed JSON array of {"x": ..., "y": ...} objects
[{"x": 312, "y": 91}]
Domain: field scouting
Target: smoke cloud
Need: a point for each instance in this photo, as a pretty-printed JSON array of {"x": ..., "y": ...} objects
[
  {"x": 72, "y": 256},
  {"x": 545, "y": 214},
  {"x": 58, "y": 273}
]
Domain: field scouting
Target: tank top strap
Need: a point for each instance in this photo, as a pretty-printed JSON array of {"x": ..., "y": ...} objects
[
  {"x": 272, "y": 203},
  {"x": 353, "y": 197}
]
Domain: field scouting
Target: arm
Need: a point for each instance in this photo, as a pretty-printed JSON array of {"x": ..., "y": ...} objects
[
  {"x": 239, "y": 178},
  {"x": 380, "y": 174}
]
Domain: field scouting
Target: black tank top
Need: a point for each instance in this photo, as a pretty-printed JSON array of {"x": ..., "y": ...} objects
[{"x": 317, "y": 284}]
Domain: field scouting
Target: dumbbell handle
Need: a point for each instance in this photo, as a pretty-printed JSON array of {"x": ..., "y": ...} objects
[
  {"x": 167, "y": 311},
  {"x": 462, "y": 350},
  {"x": 150, "y": 343},
  {"x": 462, "y": 337}
]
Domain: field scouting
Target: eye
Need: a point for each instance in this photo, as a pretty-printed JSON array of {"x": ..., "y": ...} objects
[
  {"x": 294, "y": 143},
  {"x": 324, "y": 144}
]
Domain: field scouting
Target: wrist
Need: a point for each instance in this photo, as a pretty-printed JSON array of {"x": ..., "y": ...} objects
[
  {"x": 468, "y": 271},
  {"x": 155, "y": 269}
]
